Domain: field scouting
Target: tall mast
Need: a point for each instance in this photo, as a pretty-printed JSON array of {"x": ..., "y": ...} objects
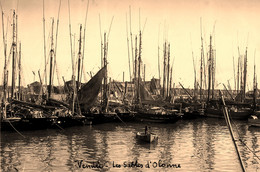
[
  {"x": 84, "y": 41},
  {"x": 168, "y": 71},
  {"x": 72, "y": 61},
  {"x": 19, "y": 79},
  {"x": 201, "y": 63},
  {"x": 159, "y": 72},
  {"x": 195, "y": 79},
  {"x": 241, "y": 77},
  {"x": 5, "y": 72},
  {"x": 51, "y": 59},
  {"x": 234, "y": 70},
  {"x": 79, "y": 59},
  {"x": 144, "y": 74},
  {"x": 209, "y": 68},
  {"x": 164, "y": 69},
  {"x": 238, "y": 72},
  {"x": 139, "y": 67},
  {"x": 136, "y": 55},
  {"x": 245, "y": 73},
  {"x": 56, "y": 44},
  {"x": 131, "y": 35},
  {"x": 170, "y": 85},
  {"x": 129, "y": 61},
  {"x": 105, "y": 94},
  {"x": 255, "y": 85},
  {"x": 136, "y": 70},
  {"x": 14, "y": 56},
  {"x": 213, "y": 63},
  {"x": 5, "y": 56},
  {"x": 44, "y": 40}
]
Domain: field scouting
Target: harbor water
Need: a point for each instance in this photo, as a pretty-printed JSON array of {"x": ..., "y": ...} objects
[{"x": 187, "y": 145}]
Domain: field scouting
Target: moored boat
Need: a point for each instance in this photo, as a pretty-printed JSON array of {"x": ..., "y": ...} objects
[
  {"x": 151, "y": 137},
  {"x": 254, "y": 120}
]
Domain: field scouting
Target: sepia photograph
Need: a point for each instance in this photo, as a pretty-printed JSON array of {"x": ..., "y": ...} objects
[{"x": 129, "y": 85}]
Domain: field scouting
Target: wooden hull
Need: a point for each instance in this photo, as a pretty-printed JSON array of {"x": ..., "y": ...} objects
[
  {"x": 126, "y": 117},
  {"x": 218, "y": 113},
  {"x": 194, "y": 114},
  {"x": 156, "y": 118},
  {"x": 27, "y": 124},
  {"x": 254, "y": 121},
  {"x": 149, "y": 138},
  {"x": 157, "y": 115},
  {"x": 100, "y": 118},
  {"x": 71, "y": 121}
]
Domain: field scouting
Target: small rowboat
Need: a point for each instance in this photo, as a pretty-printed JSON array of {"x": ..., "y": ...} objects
[{"x": 149, "y": 137}]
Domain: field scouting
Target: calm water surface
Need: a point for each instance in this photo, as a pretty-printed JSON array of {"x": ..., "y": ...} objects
[{"x": 187, "y": 145}]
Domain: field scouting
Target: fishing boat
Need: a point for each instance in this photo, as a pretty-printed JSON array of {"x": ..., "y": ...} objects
[
  {"x": 23, "y": 116},
  {"x": 236, "y": 110},
  {"x": 156, "y": 114},
  {"x": 254, "y": 120},
  {"x": 87, "y": 98},
  {"x": 17, "y": 114},
  {"x": 151, "y": 137},
  {"x": 146, "y": 136}
]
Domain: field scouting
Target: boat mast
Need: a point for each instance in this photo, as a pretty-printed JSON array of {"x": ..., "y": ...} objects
[
  {"x": 84, "y": 41},
  {"x": 19, "y": 78},
  {"x": 195, "y": 79},
  {"x": 201, "y": 62},
  {"x": 255, "y": 85},
  {"x": 144, "y": 74},
  {"x": 5, "y": 71},
  {"x": 105, "y": 94},
  {"x": 213, "y": 63},
  {"x": 44, "y": 40},
  {"x": 51, "y": 60},
  {"x": 101, "y": 57},
  {"x": 131, "y": 36},
  {"x": 139, "y": 67},
  {"x": 14, "y": 55},
  {"x": 241, "y": 77},
  {"x": 72, "y": 61},
  {"x": 238, "y": 72},
  {"x": 234, "y": 71},
  {"x": 79, "y": 60},
  {"x": 245, "y": 73},
  {"x": 56, "y": 44},
  {"x": 209, "y": 70},
  {"x": 135, "y": 70},
  {"x": 164, "y": 69},
  {"x": 129, "y": 61},
  {"x": 159, "y": 72},
  {"x": 168, "y": 71},
  {"x": 170, "y": 85},
  {"x": 136, "y": 55}
]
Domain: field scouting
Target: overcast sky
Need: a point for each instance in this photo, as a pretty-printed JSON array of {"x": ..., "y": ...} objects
[{"x": 236, "y": 24}]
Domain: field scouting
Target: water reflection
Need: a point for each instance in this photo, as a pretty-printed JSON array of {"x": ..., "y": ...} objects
[{"x": 197, "y": 145}]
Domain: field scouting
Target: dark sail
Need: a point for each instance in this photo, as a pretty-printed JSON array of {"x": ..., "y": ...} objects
[
  {"x": 144, "y": 93},
  {"x": 147, "y": 98},
  {"x": 88, "y": 93}
]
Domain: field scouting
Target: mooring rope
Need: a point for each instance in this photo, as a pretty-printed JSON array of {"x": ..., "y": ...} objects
[
  {"x": 240, "y": 139},
  {"x": 121, "y": 119},
  {"x": 15, "y": 129}
]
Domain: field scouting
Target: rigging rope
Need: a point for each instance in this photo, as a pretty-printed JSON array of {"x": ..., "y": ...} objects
[
  {"x": 240, "y": 139},
  {"x": 15, "y": 129}
]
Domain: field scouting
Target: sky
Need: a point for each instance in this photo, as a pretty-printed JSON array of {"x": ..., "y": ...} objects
[{"x": 233, "y": 24}]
